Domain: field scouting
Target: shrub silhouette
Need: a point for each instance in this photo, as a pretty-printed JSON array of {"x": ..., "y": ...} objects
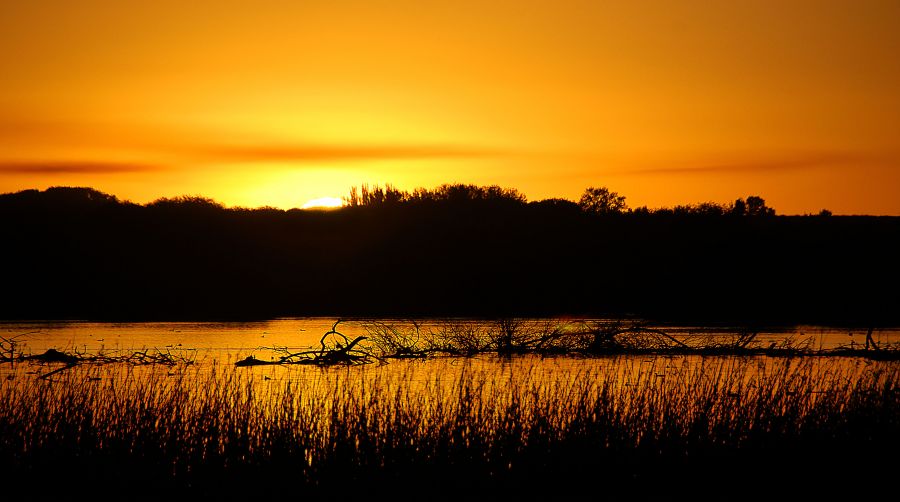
[{"x": 602, "y": 201}]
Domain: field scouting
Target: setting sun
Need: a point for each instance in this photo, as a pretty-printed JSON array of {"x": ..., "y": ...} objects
[{"x": 324, "y": 203}]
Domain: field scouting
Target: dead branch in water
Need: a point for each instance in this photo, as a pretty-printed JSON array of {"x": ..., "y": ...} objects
[
  {"x": 70, "y": 360},
  {"x": 597, "y": 338},
  {"x": 57, "y": 370},
  {"x": 54, "y": 356},
  {"x": 9, "y": 347},
  {"x": 334, "y": 348},
  {"x": 252, "y": 361}
]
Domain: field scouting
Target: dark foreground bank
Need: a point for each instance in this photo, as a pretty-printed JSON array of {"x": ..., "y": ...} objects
[{"x": 79, "y": 254}]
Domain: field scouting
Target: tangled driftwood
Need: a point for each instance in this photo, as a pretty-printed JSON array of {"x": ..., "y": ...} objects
[
  {"x": 338, "y": 350},
  {"x": 69, "y": 360}
]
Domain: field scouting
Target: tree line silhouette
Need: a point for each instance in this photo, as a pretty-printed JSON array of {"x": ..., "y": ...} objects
[{"x": 454, "y": 250}]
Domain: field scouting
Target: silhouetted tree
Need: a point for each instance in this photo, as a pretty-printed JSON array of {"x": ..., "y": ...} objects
[
  {"x": 643, "y": 211},
  {"x": 454, "y": 193},
  {"x": 556, "y": 204},
  {"x": 709, "y": 209},
  {"x": 739, "y": 208},
  {"x": 602, "y": 201},
  {"x": 756, "y": 206},
  {"x": 353, "y": 199},
  {"x": 375, "y": 196},
  {"x": 753, "y": 206},
  {"x": 702, "y": 209},
  {"x": 461, "y": 192}
]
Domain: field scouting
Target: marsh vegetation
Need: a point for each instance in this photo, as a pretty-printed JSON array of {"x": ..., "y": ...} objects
[{"x": 475, "y": 421}]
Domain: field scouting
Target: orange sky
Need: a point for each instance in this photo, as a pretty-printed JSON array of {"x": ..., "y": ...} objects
[{"x": 276, "y": 102}]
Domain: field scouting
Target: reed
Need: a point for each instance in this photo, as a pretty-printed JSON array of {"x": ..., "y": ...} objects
[{"x": 524, "y": 426}]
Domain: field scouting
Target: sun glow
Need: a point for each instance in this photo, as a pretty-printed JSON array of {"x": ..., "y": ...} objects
[
  {"x": 323, "y": 203},
  {"x": 272, "y": 103}
]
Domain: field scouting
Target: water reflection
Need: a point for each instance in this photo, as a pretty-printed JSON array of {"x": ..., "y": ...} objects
[{"x": 230, "y": 341}]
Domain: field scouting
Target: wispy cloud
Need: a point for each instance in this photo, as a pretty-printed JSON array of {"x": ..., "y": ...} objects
[
  {"x": 211, "y": 146},
  {"x": 336, "y": 153},
  {"x": 770, "y": 165},
  {"x": 212, "y": 154},
  {"x": 56, "y": 167}
]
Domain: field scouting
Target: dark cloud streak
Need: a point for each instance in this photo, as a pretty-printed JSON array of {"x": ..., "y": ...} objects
[
  {"x": 55, "y": 167},
  {"x": 767, "y": 166},
  {"x": 228, "y": 154}
]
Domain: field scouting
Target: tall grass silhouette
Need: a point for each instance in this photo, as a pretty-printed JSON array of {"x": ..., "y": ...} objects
[{"x": 478, "y": 426}]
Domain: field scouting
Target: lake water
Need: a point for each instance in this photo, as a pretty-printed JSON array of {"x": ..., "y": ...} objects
[{"x": 229, "y": 341}]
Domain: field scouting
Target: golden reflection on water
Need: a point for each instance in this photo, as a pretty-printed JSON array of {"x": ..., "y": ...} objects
[{"x": 230, "y": 341}]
